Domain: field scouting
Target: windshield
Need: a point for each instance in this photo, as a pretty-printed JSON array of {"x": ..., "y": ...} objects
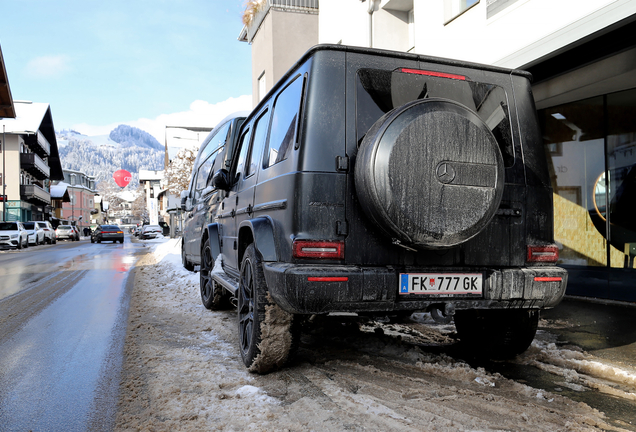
[
  {"x": 29, "y": 225},
  {"x": 8, "y": 226}
]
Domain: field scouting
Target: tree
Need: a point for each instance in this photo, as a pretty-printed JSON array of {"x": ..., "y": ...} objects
[
  {"x": 139, "y": 208},
  {"x": 108, "y": 189},
  {"x": 177, "y": 175}
]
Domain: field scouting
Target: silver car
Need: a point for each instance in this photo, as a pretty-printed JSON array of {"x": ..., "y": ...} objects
[
  {"x": 13, "y": 235},
  {"x": 67, "y": 232}
]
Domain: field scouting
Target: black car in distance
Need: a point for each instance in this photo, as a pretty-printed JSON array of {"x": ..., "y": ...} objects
[{"x": 107, "y": 233}]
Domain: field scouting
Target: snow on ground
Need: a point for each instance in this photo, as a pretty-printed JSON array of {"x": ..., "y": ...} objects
[{"x": 182, "y": 372}]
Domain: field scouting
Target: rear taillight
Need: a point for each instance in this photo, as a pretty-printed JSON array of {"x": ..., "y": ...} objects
[
  {"x": 433, "y": 74},
  {"x": 543, "y": 254},
  {"x": 319, "y": 249}
]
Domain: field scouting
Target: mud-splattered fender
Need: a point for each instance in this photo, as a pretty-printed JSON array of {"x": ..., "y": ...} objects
[{"x": 261, "y": 230}]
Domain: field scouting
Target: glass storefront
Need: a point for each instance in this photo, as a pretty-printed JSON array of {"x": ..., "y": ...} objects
[{"x": 591, "y": 150}]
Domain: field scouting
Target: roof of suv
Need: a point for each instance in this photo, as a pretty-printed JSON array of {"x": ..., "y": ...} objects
[{"x": 385, "y": 53}]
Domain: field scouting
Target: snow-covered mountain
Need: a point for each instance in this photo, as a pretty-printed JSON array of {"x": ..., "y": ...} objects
[{"x": 125, "y": 147}]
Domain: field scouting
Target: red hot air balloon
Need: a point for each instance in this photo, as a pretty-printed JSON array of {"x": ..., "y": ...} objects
[{"x": 122, "y": 178}]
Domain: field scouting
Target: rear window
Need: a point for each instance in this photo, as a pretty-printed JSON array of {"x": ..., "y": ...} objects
[
  {"x": 110, "y": 227},
  {"x": 64, "y": 227},
  {"x": 380, "y": 91}
]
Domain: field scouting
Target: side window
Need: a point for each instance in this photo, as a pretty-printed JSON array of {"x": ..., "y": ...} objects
[
  {"x": 284, "y": 123},
  {"x": 204, "y": 172},
  {"x": 218, "y": 140},
  {"x": 260, "y": 136},
  {"x": 244, "y": 146}
]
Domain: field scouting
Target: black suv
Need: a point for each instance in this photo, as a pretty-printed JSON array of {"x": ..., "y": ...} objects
[
  {"x": 200, "y": 201},
  {"x": 384, "y": 183}
]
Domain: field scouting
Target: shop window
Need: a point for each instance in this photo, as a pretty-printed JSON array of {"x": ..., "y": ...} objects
[
  {"x": 574, "y": 143},
  {"x": 594, "y": 191},
  {"x": 621, "y": 161}
]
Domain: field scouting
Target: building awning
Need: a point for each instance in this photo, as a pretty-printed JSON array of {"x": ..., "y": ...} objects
[{"x": 7, "y": 110}]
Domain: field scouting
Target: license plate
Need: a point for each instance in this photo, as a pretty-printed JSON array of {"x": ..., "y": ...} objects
[{"x": 441, "y": 283}]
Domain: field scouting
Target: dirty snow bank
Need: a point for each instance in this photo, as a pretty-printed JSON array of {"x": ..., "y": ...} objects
[{"x": 182, "y": 372}]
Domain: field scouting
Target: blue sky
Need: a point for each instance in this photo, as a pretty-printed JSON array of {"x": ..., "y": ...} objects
[{"x": 139, "y": 62}]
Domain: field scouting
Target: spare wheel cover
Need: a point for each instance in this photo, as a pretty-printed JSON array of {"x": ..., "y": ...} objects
[{"x": 430, "y": 174}]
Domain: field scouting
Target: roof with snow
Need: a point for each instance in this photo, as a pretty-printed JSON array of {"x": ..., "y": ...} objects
[
  {"x": 6, "y": 101},
  {"x": 60, "y": 191},
  {"x": 145, "y": 175},
  {"x": 30, "y": 119}
]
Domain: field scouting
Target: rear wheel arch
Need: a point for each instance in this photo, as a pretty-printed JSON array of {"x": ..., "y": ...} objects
[{"x": 259, "y": 231}]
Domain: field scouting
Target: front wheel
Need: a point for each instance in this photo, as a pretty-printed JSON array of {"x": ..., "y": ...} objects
[
  {"x": 267, "y": 334},
  {"x": 498, "y": 334},
  {"x": 213, "y": 295}
]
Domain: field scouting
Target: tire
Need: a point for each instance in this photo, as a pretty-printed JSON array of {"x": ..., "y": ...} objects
[
  {"x": 498, "y": 334},
  {"x": 99, "y": 240},
  {"x": 54, "y": 241},
  {"x": 92, "y": 240},
  {"x": 430, "y": 174},
  {"x": 267, "y": 334},
  {"x": 213, "y": 295},
  {"x": 186, "y": 264},
  {"x": 20, "y": 243}
]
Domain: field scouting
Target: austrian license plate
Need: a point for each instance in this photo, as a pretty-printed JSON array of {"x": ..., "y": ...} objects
[{"x": 441, "y": 283}]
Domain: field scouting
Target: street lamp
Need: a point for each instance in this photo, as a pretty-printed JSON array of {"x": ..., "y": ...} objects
[
  {"x": 4, "y": 180},
  {"x": 72, "y": 198}
]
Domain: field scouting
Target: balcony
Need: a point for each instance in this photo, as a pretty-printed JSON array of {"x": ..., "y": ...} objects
[
  {"x": 34, "y": 194},
  {"x": 33, "y": 164},
  {"x": 38, "y": 144}
]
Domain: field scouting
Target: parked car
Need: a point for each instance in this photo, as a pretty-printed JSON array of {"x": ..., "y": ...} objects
[
  {"x": 13, "y": 235},
  {"x": 423, "y": 187},
  {"x": 67, "y": 232},
  {"x": 107, "y": 233},
  {"x": 35, "y": 232},
  {"x": 49, "y": 233},
  {"x": 150, "y": 232},
  {"x": 200, "y": 200}
]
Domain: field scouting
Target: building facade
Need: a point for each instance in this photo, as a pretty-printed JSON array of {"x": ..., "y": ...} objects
[
  {"x": 280, "y": 31},
  {"x": 79, "y": 208},
  {"x": 583, "y": 59},
  {"x": 30, "y": 161},
  {"x": 151, "y": 181}
]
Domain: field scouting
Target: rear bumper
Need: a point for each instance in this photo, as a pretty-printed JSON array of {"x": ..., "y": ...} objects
[{"x": 375, "y": 289}]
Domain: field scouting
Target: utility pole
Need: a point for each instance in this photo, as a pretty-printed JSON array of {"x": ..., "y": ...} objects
[{"x": 4, "y": 180}]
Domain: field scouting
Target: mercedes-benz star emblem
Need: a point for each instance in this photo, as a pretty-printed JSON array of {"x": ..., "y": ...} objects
[{"x": 445, "y": 172}]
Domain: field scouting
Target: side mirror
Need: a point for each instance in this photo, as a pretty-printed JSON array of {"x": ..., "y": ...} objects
[
  {"x": 220, "y": 180},
  {"x": 184, "y": 197}
]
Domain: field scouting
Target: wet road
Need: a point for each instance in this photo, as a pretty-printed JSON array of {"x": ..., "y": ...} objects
[{"x": 63, "y": 314}]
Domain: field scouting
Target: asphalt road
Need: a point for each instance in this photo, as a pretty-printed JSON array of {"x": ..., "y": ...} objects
[{"x": 63, "y": 314}]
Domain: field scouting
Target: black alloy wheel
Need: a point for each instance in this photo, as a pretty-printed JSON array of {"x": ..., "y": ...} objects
[
  {"x": 497, "y": 334},
  {"x": 262, "y": 351},
  {"x": 213, "y": 295}
]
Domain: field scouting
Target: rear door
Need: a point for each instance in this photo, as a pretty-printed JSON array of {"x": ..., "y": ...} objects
[{"x": 239, "y": 202}]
